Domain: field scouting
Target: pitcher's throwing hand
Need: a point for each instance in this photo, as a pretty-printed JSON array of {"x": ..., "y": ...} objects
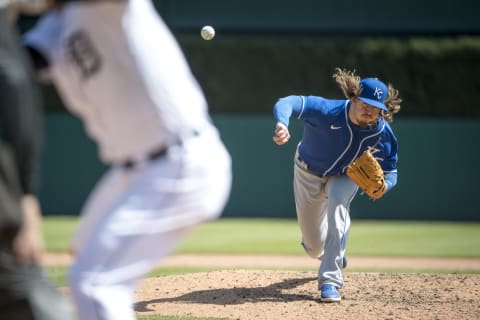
[{"x": 282, "y": 135}]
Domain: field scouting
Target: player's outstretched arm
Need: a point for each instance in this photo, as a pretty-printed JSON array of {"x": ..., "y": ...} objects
[{"x": 281, "y": 134}]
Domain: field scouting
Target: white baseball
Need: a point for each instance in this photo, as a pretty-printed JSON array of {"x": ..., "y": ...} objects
[{"x": 207, "y": 33}]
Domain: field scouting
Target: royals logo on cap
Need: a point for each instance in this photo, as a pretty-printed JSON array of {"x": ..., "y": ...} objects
[{"x": 373, "y": 93}]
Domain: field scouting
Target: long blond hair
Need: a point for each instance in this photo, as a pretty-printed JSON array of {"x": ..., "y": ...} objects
[{"x": 349, "y": 83}]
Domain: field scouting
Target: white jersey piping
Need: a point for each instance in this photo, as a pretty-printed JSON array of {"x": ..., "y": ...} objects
[
  {"x": 303, "y": 107},
  {"x": 367, "y": 137},
  {"x": 392, "y": 171}
]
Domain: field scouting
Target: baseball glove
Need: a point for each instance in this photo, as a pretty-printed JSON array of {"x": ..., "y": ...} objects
[{"x": 366, "y": 172}]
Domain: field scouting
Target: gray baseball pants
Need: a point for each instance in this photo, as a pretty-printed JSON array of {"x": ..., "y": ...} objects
[{"x": 322, "y": 205}]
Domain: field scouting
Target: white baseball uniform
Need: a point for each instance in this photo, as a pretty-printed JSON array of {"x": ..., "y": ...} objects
[{"x": 118, "y": 67}]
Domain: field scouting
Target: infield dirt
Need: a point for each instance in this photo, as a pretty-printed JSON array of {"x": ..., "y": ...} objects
[
  {"x": 290, "y": 295},
  {"x": 256, "y": 287}
]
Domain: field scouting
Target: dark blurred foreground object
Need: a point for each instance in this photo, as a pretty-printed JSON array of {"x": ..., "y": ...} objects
[{"x": 25, "y": 292}]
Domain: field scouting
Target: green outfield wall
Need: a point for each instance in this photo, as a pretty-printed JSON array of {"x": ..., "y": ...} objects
[
  {"x": 437, "y": 172},
  {"x": 406, "y": 17},
  {"x": 349, "y": 16}
]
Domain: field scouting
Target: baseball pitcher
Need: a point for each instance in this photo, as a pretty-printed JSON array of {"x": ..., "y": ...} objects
[{"x": 346, "y": 144}]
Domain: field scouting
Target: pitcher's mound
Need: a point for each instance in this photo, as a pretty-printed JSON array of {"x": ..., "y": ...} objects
[{"x": 263, "y": 295}]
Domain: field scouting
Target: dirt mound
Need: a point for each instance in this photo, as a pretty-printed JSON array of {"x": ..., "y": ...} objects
[{"x": 264, "y": 295}]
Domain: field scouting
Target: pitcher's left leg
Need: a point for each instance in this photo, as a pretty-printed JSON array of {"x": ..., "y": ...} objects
[{"x": 341, "y": 191}]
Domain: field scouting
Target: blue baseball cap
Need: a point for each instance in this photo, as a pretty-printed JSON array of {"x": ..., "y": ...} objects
[{"x": 373, "y": 92}]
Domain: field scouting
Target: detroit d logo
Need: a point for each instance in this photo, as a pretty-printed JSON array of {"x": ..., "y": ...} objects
[
  {"x": 83, "y": 54},
  {"x": 378, "y": 93}
]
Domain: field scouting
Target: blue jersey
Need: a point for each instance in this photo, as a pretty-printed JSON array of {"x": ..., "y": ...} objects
[{"x": 331, "y": 141}]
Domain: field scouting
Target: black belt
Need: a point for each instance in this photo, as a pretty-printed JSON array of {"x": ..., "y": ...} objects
[{"x": 156, "y": 154}]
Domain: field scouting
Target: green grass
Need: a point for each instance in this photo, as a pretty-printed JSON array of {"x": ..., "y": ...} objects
[
  {"x": 58, "y": 275},
  {"x": 282, "y": 236},
  {"x": 420, "y": 239},
  {"x": 58, "y": 231},
  {"x": 245, "y": 236}
]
